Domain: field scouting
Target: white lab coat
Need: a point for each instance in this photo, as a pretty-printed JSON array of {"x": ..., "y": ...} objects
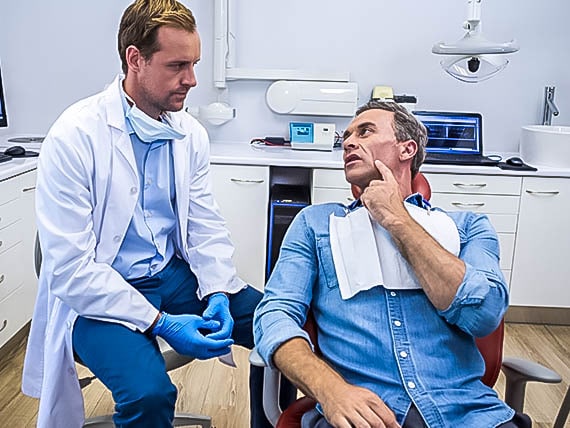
[{"x": 87, "y": 190}]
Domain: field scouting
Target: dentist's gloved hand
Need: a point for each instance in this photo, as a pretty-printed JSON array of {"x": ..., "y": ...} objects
[
  {"x": 219, "y": 310},
  {"x": 182, "y": 332}
]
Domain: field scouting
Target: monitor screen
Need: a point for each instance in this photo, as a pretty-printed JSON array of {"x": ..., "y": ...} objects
[
  {"x": 452, "y": 132},
  {"x": 3, "y": 117}
]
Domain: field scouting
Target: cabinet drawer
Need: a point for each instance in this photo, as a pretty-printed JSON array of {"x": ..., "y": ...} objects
[
  {"x": 10, "y": 236},
  {"x": 507, "y": 248},
  {"x": 10, "y": 190},
  {"x": 322, "y": 195},
  {"x": 504, "y": 223},
  {"x": 11, "y": 270},
  {"x": 458, "y": 183},
  {"x": 15, "y": 311},
  {"x": 9, "y": 213},
  {"x": 488, "y": 204},
  {"x": 331, "y": 178}
]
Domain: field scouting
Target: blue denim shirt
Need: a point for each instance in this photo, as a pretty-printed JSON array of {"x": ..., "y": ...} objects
[{"x": 393, "y": 342}]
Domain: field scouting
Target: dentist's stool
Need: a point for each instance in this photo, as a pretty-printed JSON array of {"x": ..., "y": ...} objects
[{"x": 172, "y": 359}]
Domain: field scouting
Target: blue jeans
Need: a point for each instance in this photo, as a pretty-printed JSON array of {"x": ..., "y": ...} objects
[{"x": 130, "y": 364}]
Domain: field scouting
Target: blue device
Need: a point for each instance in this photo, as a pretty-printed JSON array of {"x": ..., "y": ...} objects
[{"x": 301, "y": 132}]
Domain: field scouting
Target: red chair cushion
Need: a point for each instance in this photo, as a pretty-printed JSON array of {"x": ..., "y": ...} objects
[
  {"x": 291, "y": 417},
  {"x": 491, "y": 348}
]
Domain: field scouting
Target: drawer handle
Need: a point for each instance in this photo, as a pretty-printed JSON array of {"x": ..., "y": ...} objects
[
  {"x": 4, "y": 324},
  {"x": 470, "y": 185},
  {"x": 468, "y": 204},
  {"x": 1, "y": 242},
  {"x": 244, "y": 180},
  {"x": 350, "y": 199},
  {"x": 28, "y": 189},
  {"x": 2, "y": 278},
  {"x": 543, "y": 192}
]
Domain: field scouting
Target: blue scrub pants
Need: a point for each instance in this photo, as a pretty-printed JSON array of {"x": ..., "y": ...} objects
[{"x": 130, "y": 364}]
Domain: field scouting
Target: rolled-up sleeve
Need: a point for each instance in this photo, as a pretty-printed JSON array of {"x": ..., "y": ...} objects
[
  {"x": 283, "y": 309},
  {"x": 482, "y": 298}
]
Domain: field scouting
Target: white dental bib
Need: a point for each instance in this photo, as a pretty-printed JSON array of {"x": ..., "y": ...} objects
[{"x": 365, "y": 255}]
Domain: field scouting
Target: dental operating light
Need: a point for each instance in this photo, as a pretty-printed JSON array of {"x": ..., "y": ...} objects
[{"x": 473, "y": 58}]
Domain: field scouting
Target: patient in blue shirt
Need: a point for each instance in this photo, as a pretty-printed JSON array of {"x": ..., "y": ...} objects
[{"x": 390, "y": 356}]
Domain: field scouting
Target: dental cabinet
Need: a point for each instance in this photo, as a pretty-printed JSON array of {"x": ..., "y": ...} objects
[
  {"x": 18, "y": 283},
  {"x": 541, "y": 268},
  {"x": 497, "y": 197},
  {"x": 242, "y": 193}
]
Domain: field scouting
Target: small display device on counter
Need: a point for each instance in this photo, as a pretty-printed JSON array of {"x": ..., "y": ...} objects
[{"x": 312, "y": 136}]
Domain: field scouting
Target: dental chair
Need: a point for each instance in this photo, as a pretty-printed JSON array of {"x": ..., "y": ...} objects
[
  {"x": 172, "y": 359},
  {"x": 517, "y": 371}
]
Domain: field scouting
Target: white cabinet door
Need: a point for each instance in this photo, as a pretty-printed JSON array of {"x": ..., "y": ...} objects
[
  {"x": 242, "y": 192},
  {"x": 541, "y": 268},
  {"x": 28, "y": 200}
]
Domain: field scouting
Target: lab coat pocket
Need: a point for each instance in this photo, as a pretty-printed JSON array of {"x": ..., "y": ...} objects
[{"x": 327, "y": 273}]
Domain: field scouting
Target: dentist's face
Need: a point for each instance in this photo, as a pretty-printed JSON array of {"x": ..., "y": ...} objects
[
  {"x": 163, "y": 80},
  {"x": 369, "y": 136}
]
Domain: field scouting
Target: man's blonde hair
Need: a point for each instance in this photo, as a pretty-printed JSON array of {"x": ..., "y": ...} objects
[{"x": 142, "y": 19}]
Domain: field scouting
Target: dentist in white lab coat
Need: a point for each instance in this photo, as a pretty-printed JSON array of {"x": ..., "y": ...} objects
[{"x": 88, "y": 198}]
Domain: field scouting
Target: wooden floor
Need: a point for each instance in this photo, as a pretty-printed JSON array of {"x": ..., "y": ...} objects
[{"x": 210, "y": 388}]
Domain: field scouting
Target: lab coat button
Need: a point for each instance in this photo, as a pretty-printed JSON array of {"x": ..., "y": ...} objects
[
  {"x": 397, "y": 323},
  {"x": 116, "y": 238},
  {"x": 133, "y": 190},
  {"x": 411, "y": 385}
]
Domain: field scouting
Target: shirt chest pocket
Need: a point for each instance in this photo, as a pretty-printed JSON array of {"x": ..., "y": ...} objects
[{"x": 327, "y": 272}]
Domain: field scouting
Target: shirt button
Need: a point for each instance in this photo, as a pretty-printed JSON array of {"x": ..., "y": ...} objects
[
  {"x": 133, "y": 190},
  {"x": 393, "y": 294},
  {"x": 154, "y": 266},
  {"x": 397, "y": 323},
  {"x": 147, "y": 214},
  {"x": 403, "y": 354},
  {"x": 411, "y": 385}
]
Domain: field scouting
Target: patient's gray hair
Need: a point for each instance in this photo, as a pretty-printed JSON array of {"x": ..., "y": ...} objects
[{"x": 406, "y": 127}]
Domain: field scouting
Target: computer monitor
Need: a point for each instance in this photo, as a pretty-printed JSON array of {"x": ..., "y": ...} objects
[
  {"x": 3, "y": 117},
  {"x": 451, "y": 132}
]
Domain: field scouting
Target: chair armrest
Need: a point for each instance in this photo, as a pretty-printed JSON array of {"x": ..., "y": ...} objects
[
  {"x": 530, "y": 370},
  {"x": 517, "y": 373},
  {"x": 255, "y": 359},
  {"x": 271, "y": 387}
]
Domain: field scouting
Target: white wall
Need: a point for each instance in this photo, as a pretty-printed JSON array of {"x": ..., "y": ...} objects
[{"x": 56, "y": 52}]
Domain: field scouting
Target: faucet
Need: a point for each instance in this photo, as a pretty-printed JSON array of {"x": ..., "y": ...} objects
[{"x": 550, "y": 108}]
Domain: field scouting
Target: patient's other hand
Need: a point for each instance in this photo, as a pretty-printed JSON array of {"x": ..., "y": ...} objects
[{"x": 348, "y": 406}]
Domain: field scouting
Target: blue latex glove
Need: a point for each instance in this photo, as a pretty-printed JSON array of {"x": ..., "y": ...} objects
[
  {"x": 182, "y": 332},
  {"x": 218, "y": 309}
]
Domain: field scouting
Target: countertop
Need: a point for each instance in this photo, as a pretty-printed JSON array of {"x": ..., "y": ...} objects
[{"x": 247, "y": 154}]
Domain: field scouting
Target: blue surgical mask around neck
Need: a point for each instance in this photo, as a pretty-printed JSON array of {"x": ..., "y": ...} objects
[{"x": 149, "y": 129}]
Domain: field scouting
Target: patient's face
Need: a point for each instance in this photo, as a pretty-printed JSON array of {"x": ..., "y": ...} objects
[{"x": 369, "y": 136}]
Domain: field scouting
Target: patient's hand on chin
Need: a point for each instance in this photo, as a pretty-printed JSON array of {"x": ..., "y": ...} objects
[{"x": 347, "y": 405}]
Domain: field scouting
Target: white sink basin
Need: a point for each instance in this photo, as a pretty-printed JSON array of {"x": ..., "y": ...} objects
[{"x": 544, "y": 145}]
